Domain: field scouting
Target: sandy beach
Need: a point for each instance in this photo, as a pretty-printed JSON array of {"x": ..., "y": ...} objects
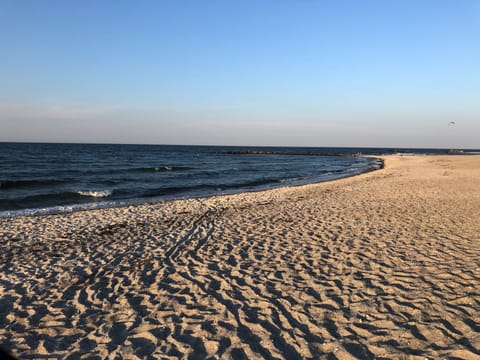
[{"x": 384, "y": 265}]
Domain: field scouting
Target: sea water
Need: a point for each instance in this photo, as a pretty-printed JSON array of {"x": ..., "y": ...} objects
[{"x": 37, "y": 178}]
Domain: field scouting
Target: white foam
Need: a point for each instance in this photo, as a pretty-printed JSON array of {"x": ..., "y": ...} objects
[{"x": 96, "y": 194}]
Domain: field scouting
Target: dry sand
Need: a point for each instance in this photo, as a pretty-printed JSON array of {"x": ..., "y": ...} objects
[{"x": 381, "y": 265}]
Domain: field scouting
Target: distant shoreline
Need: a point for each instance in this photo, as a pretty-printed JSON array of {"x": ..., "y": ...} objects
[{"x": 395, "y": 148}]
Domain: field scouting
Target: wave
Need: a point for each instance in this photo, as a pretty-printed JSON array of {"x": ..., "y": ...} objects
[
  {"x": 15, "y": 184},
  {"x": 96, "y": 194},
  {"x": 52, "y": 200},
  {"x": 58, "y": 209}
]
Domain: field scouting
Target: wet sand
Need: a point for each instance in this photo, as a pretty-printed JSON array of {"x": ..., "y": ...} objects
[{"x": 381, "y": 265}]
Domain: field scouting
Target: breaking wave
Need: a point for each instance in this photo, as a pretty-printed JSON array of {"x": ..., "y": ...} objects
[{"x": 96, "y": 194}]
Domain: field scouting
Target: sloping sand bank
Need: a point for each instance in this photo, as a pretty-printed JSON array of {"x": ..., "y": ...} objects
[{"x": 381, "y": 265}]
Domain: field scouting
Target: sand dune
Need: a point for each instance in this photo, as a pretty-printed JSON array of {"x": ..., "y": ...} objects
[{"x": 381, "y": 265}]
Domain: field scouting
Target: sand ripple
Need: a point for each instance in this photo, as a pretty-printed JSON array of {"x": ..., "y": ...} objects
[{"x": 383, "y": 265}]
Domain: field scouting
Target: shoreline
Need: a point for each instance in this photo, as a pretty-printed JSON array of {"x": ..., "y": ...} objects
[{"x": 381, "y": 264}]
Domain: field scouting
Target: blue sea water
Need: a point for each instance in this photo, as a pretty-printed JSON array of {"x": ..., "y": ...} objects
[{"x": 37, "y": 178}]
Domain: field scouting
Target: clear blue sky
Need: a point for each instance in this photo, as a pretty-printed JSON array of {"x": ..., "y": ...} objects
[{"x": 299, "y": 72}]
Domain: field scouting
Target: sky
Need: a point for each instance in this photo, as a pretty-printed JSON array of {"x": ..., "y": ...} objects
[{"x": 242, "y": 72}]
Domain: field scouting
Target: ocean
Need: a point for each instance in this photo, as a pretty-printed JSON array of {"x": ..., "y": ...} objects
[{"x": 40, "y": 178}]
